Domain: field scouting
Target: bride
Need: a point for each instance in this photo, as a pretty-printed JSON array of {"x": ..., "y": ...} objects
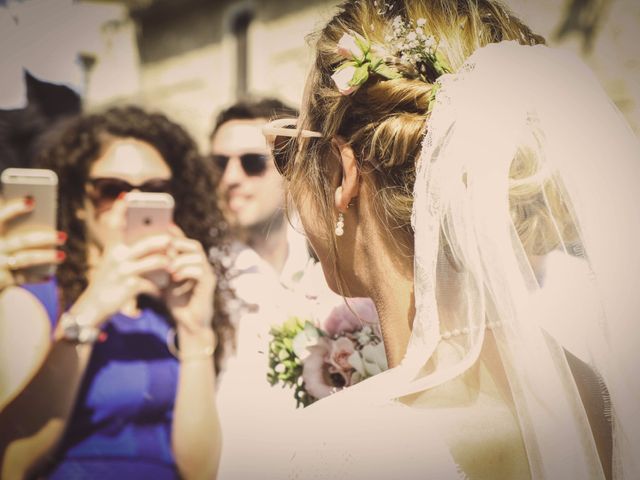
[{"x": 481, "y": 188}]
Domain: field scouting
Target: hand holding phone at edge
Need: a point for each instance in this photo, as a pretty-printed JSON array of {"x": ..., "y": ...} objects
[{"x": 19, "y": 251}]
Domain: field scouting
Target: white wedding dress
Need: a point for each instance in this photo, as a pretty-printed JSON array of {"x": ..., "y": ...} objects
[
  {"x": 506, "y": 99},
  {"x": 347, "y": 436}
]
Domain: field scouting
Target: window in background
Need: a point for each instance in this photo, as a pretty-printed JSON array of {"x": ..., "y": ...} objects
[{"x": 240, "y": 28}]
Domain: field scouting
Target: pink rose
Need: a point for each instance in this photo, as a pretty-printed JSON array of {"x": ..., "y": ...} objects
[
  {"x": 338, "y": 361},
  {"x": 341, "y": 350},
  {"x": 326, "y": 359},
  {"x": 342, "y": 320},
  {"x": 342, "y": 78}
]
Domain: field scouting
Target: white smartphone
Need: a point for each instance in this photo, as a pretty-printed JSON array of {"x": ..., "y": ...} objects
[
  {"x": 148, "y": 214},
  {"x": 42, "y": 186}
]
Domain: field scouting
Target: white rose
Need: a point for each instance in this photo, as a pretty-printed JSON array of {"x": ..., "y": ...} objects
[
  {"x": 303, "y": 340},
  {"x": 356, "y": 362},
  {"x": 374, "y": 359},
  {"x": 369, "y": 361},
  {"x": 349, "y": 48},
  {"x": 342, "y": 78}
]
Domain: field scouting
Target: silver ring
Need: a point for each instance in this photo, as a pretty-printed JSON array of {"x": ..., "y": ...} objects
[{"x": 9, "y": 261}]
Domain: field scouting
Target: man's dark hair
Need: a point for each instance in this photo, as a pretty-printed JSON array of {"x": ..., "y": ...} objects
[{"x": 251, "y": 109}]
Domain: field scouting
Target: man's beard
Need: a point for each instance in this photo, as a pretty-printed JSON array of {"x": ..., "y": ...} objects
[{"x": 255, "y": 232}]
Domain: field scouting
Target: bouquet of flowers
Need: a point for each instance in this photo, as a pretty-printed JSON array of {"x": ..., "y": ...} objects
[{"x": 317, "y": 358}]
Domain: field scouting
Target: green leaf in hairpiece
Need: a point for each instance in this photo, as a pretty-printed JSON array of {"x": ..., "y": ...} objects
[
  {"x": 345, "y": 65},
  {"x": 364, "y": 45},
  {"x": 387, "y": 72},
  {"x": 360, "y": 76},
  {"x": 440, "y": 64}
]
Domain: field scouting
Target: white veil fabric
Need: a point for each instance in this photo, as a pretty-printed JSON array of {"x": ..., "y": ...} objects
[
  {"x": 473, "y": 269},
  {"x": 527, "y": 224}
]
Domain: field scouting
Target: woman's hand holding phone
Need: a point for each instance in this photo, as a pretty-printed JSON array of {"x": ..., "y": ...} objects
[
  {"x": 128, "y": 268},
  {"x": 189, "y": 296},
  {"x": 119, "y": 276},
  {"x": 22, "y": 250}
]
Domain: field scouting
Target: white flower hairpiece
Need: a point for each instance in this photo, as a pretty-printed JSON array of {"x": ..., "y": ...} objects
[
  {"x": 361, "y": 62},
  {"x": 416, "y": 49},
  {"x": 409, "y": 43}
]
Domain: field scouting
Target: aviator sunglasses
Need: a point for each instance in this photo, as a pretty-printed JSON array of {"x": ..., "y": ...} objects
[
  {"x": 252, "y": 163},
  {"x": 282, "y": 137},
  {"x": 103, "y": 191}
]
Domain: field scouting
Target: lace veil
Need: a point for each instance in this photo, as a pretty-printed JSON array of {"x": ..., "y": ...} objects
[{"x": 528, "y": 132}]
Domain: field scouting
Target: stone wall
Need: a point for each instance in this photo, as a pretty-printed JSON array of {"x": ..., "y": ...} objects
[
  {"x": 188, "y": 66},
  {"x": 188, "y": 55}
]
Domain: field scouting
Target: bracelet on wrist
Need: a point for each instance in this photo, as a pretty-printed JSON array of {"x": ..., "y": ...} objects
[
  {"x": 205, "y": 352},
  {"x": 76, "y": 329}
]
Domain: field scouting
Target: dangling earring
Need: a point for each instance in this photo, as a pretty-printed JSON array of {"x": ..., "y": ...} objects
[{"x": 340, "y": 225}]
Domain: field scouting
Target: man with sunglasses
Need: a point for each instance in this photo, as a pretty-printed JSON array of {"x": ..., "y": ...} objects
[
  {"x": 269, "y": 259},
  {"x": 250, "y": 186}
]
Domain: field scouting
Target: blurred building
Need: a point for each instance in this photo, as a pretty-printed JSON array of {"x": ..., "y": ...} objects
[
  {"x": 189, "y": 58},
  {"x": 198, "y": 56},
  {"x": 88, "y": 47}
]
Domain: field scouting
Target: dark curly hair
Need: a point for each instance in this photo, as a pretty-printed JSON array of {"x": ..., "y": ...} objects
[{"x": 73, "y": 150}]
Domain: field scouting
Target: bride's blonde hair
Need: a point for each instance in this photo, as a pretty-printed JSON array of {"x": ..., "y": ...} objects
[{"x": 384, "y": 120}]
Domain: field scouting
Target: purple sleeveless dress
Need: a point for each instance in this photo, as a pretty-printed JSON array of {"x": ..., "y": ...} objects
[{"x": 121, "y": 424}]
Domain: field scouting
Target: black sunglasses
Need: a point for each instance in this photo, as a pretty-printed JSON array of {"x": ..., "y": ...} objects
[
  {"x": 103, "y": 191},
  {"x": 282, "y": 137},
  {"x": 252, "y": 163}
]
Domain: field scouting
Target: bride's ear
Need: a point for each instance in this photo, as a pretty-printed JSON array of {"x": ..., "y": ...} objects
[{"x": 350, "y": 183}]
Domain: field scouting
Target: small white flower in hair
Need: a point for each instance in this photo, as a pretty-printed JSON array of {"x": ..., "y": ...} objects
[{"x": 421, "y": 22}]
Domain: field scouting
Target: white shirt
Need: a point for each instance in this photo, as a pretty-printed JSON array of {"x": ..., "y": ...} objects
[{"x": 252, "y": 411}]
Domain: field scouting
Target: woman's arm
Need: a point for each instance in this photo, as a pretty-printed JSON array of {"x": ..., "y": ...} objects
[
  {"x": 35, "y": 396},
  {"x": 196, "y": 433},
  {"x": 32, "y": 423},
  {"x": 34, "y": 418},
  {"x": 25, "y": 337}
]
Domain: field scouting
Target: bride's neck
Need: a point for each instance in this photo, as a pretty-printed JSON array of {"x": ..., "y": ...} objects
[{"x": 391, "y": 290}]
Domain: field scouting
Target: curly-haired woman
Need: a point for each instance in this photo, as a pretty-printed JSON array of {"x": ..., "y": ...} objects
[{"x": 113, "y": 394}]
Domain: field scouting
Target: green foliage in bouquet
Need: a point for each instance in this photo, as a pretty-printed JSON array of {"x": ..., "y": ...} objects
[{"x": 285, "y": 367}]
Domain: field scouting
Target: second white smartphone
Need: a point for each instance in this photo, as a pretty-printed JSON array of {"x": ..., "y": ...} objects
[
  {"x": 42, "y": 186},
  {"x": 148, "y": 214}
]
